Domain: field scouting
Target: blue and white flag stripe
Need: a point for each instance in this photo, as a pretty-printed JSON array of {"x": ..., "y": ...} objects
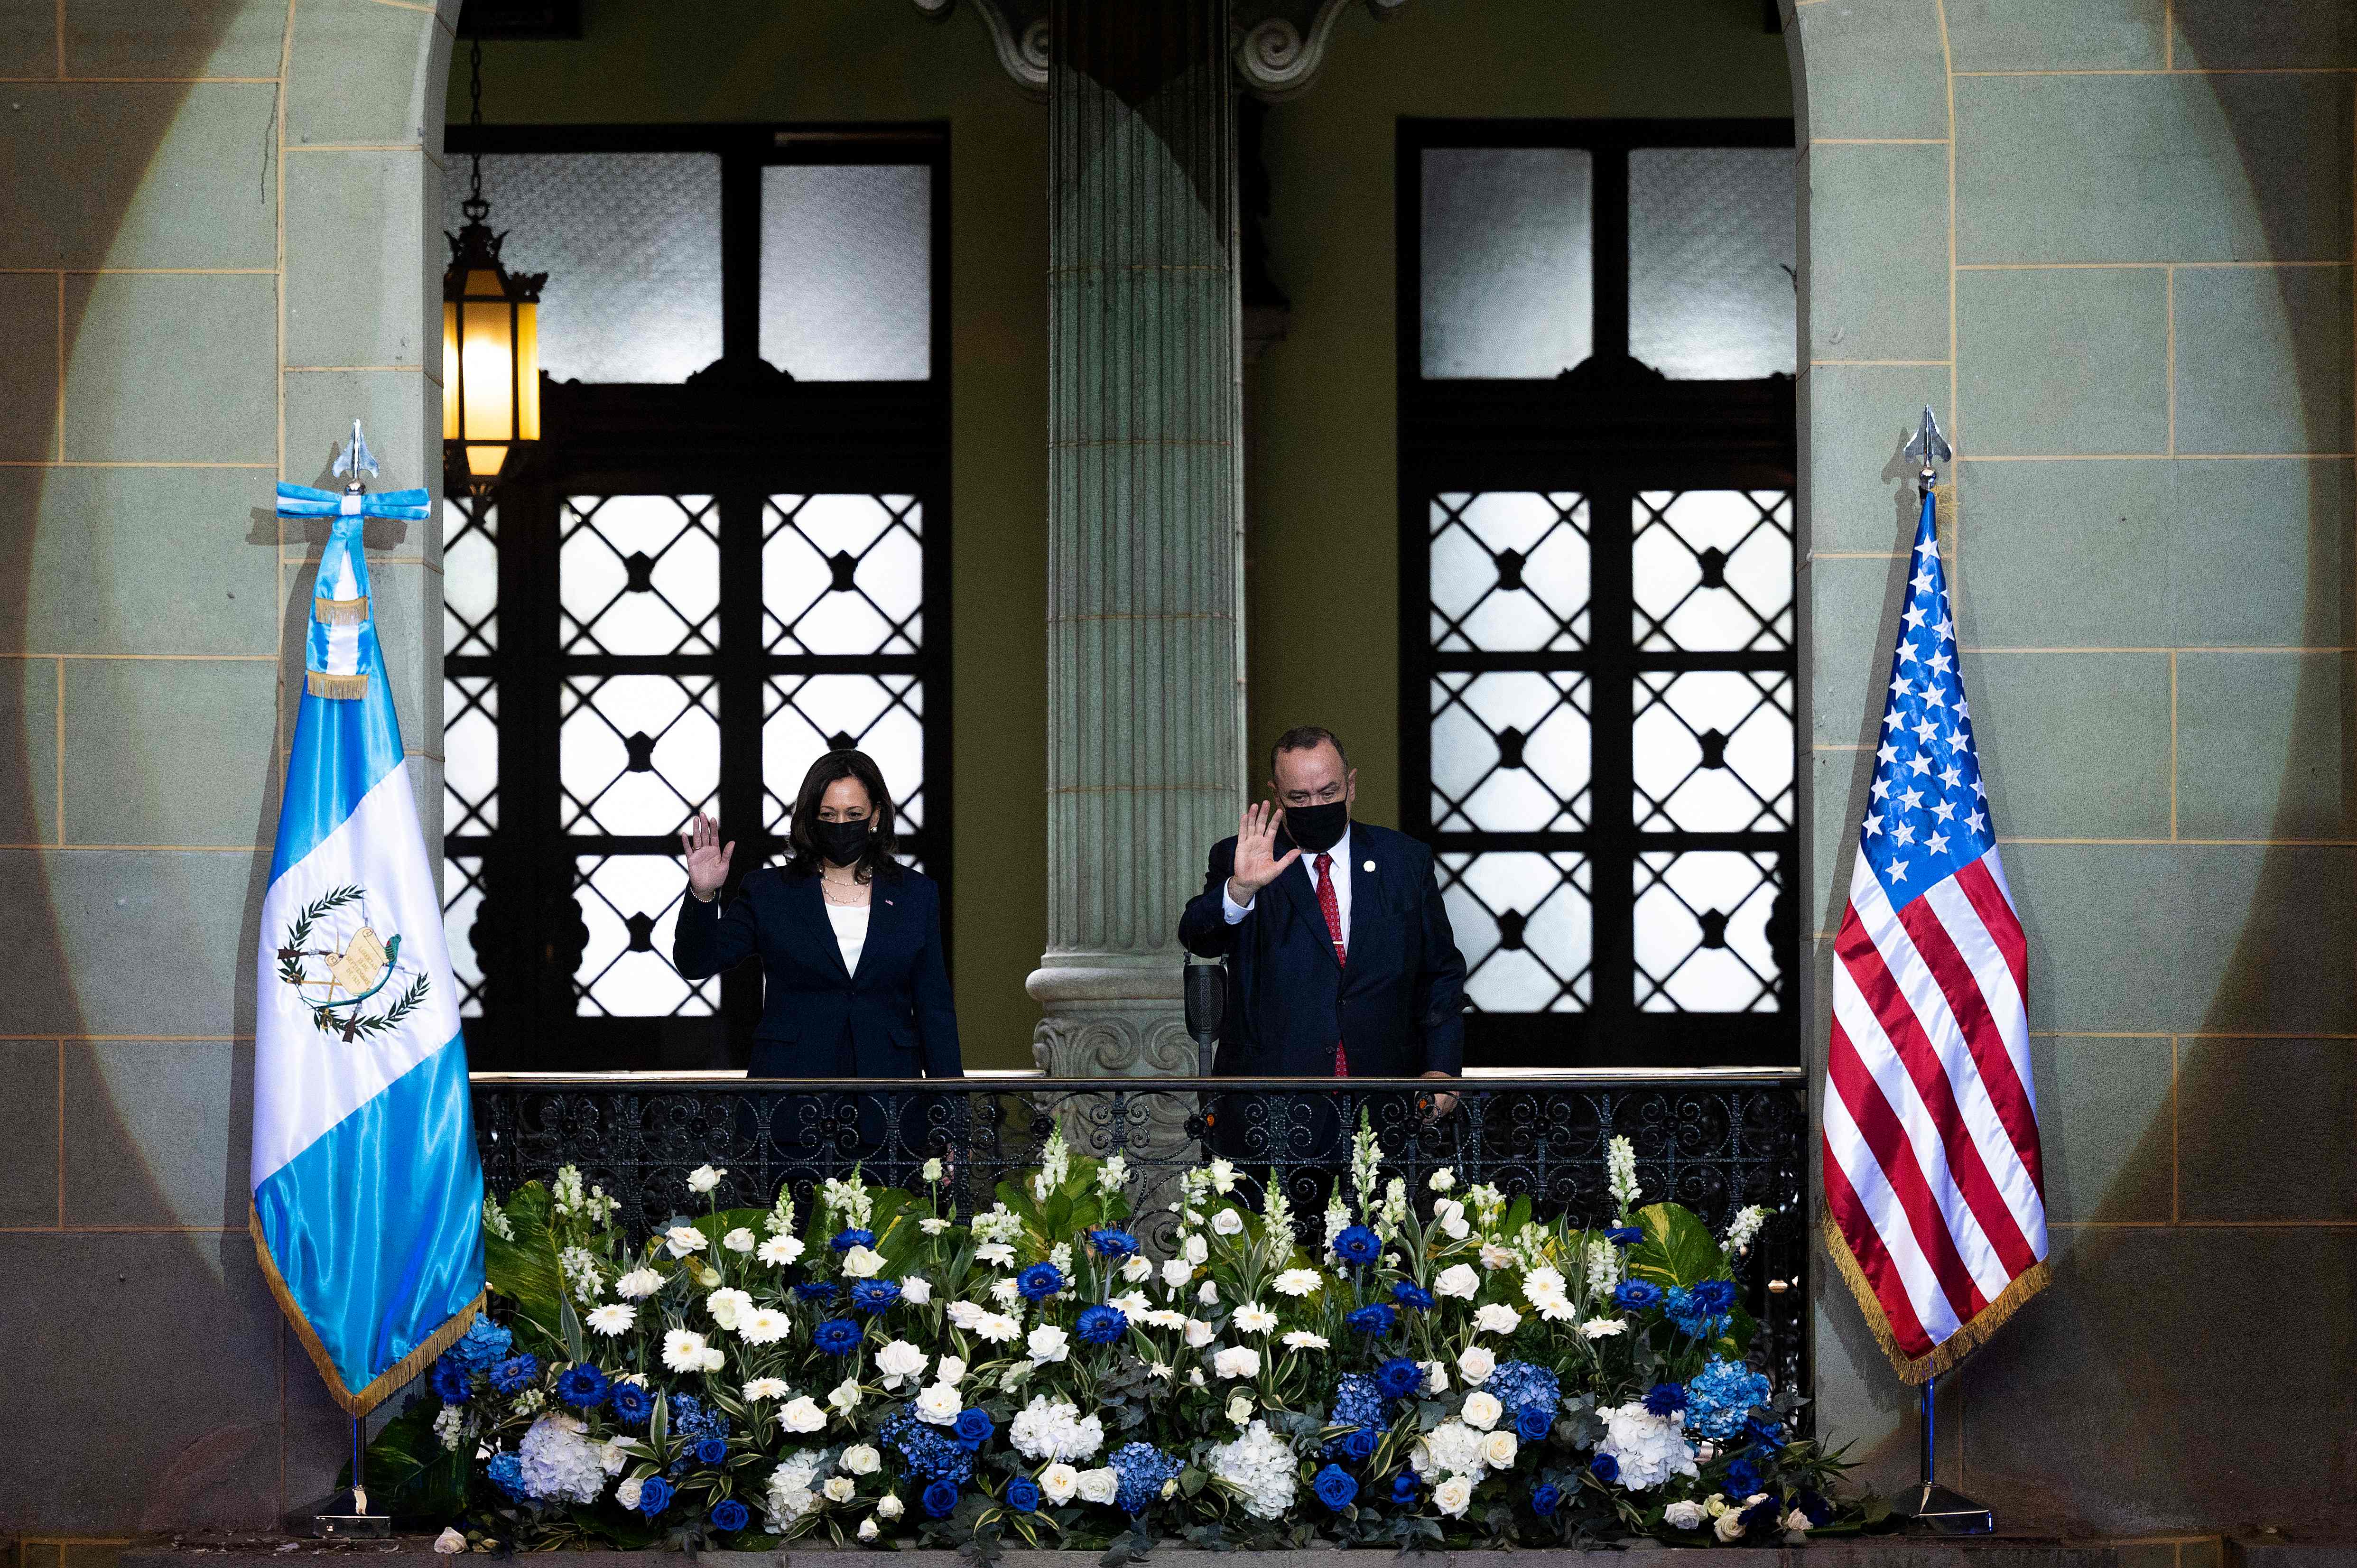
[{"x": 367, "y": 1193}]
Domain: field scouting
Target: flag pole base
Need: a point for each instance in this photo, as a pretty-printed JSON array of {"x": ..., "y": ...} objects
[
  {"x": 1945, "y": 1512},
  {"x": 352, "y": 1526}
]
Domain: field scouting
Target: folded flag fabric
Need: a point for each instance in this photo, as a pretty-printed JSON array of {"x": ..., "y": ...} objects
[{"x": 368, "y": 1198}]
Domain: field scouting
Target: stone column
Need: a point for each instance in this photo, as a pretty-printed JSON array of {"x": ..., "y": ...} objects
[{"x": 1145, "y": 595}]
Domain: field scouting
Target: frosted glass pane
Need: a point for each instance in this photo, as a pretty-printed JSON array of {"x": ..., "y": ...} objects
[
  {"x": 1508, "y": 255},
  {"x": 631, "y": 243},
  {"x": 630, "y": 904},
  {"x": 847, "y": 272},
  {"x": 1710, "y": 248},
  {"x": 1523, "y": 923},
  {"x": 1702, "y": 942}
]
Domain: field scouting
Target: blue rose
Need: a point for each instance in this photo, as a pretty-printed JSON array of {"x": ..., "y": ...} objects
[
  {"x": 1359, "y": 1445},
  {"x": 516, "y": 1373},
  {"x": 837, "y": 1337},
  {"x": 850, "y": 1238},
  {"x": 1039, "y": 1282},
  {"x": 1404, "y": 1491},
  {"x": 941, "y": 1499},
  {"x": 1113, "y": 1244},
  {"x": 1409, "y": 1294},
  {"x": 582, "y": 1387},
  {"x": 1532, "y": 1422},
  {"x": 1665, "y": 1399},
  {"x": 712, "y": 1450},
  {"x": 973, "y": 1429},
  {"x": 448, "y": 1380},
  {"x": 1605, "y": 1468},
  {"x": 1636, "y": 1295},
  {"x": 1334, "y": 1487},
  {"x": 730, "y": 1514},
  {"x": 1398, "y": 1377},
  {"x": 1374, "y": 1318},
  {"x": 815, "y": 1289},
  {"x": 1546, "y": 1498},
  {"x": 632, "y": 1404},
  {"x": 654, "y": 1496},
  {"x": 1624, "y": 1235},
  {"x": 1101, "y": 1325},
  {"x": 1023, "y": 1495},
  {"x": 875, "y": 1296},
  {"x": 1358, "y": 1246}
]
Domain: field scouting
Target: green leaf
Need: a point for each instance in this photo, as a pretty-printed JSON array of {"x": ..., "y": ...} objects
[
  {"x": 524, "y": 1270},
  {"x": 572, "y": 1325},
  {"x": 1191, "y": 1480},
  {"x": 1678, "y": 1248}
]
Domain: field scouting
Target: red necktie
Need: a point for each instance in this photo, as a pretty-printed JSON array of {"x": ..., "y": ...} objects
[{"x": 1332, "y": 909}]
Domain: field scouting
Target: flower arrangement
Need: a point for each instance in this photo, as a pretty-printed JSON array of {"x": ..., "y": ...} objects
[{"x": 1443, "y": 1371}]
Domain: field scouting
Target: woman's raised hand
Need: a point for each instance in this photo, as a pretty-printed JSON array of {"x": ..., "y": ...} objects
[
  {"x": 1257, "y": 862},
  {"x": 707, "y": 857}
]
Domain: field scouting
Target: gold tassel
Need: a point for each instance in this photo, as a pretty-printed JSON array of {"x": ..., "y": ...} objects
[
  {"x": 386, "y": 1383},
  {"x": 1970, "y": 1336},
  {"x": 340, "y": 612},
  {"x": 319, "y": 683}
]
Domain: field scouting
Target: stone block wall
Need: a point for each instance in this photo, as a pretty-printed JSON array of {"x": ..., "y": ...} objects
[{"x": 2110, "y": 242}]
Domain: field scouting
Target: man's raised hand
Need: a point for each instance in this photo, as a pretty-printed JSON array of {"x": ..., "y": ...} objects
[
  {"x": 1257, "y": 862},
  {"x": 707, "y": 859}
]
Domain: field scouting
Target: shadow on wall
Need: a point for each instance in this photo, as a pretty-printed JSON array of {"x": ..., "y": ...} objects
[{"x": 2126, "y": 1398}]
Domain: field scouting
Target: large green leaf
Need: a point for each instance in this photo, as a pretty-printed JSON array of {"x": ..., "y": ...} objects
[
  {"x": 1678, "y": 1248},
  {"x": 524, "y": 1270}
]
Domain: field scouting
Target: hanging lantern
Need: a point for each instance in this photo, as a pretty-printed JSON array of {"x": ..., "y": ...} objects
[{"x": 490, "y": 337}]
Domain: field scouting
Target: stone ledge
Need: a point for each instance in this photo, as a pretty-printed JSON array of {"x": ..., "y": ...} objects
[{"x": 2279, "y": 1551}]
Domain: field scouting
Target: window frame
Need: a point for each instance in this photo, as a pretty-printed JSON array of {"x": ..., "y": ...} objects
[
  {"x": 1607, "y": 429},
  {"x": 740, "y": 432}
]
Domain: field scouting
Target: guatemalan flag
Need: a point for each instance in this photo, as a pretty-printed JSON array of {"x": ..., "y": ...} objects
[
  {"x": 1935, "y": 1205},
  {"x": 367, "y": 1195}
]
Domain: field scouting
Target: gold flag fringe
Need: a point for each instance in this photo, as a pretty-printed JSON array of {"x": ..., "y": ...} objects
[
  {"x": 319, "y": 683},
  {"x": 340, "y": 612},
  {"x": 387, "y": 1383},
  {"x": 1968, "y": 1337}
]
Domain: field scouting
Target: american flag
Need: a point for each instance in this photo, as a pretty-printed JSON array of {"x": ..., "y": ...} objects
[{"x": 1935, "y": 1203}]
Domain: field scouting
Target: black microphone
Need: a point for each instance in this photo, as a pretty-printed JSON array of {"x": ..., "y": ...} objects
[{"x": 1205, "y": 986}]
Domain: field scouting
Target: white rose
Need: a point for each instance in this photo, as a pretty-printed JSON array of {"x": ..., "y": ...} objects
[
  {"x": 611, "y": 1318},
  {"x": 840, "y": 1488},
  {"x": 765, "y": 1389},
  {"x": 1475, "y": 1363},
  {"x": 1450, "y": 1214},
  {"x": 626, "y": 1494},
  {"x": 1453, "y": 1496},
  {"x": 940, "y": 1405},
  {"x": 1481, "y": 1411},
  {"x": 780, "y": 1251},
  {"x": 931, "y": 1171},
  {"x": 611, "y": 1458},
  {"x": 1209, "y": 1294},
  {"x": 713, "y": 1359},
  {"x": 1177, "y": 1271},
  {"x": 1496, "y": 1257},
  {"x": 1136, "y": 1268},
  {"x": 1730, "y": 1526},
  {"x": 685, "y": 1239},
  {"x": 1297, "y": 1282},
  {"x": 1498, "y": 1450},
  {"x": 727, "y": 1306},
  {"x": 1236, "y": 1361},
  {"x": 859, "y": 1459},
  {"x": 861, "y": 1263},
  {"x": 1436, "y": 1378},
  {"x": 1240, "y": 1406},
  {"x": 1060, "y": 1481},
  {"x": 916, "y": 1290},
  {"x": 1228, "y": 1223},
  {"x": 1048, "y": 1343},
  {"x": 1223, "y": 1175},
  {"x": 1496, "y": 1317},
  {"x": 1195, "y": 1250},
  {"x": 738, "y": 1241},
  {"x": 803, "y": 1414},
  {"x": 1457, "y": 1280},
  {"x": 899, "y": 1361},
  {"x": 682, "y": 1350},
  {"x": 1198, "y": 1333},
  {"x": 887, "y": 1508},
  {"x": 638, "y": 1284},
  {"x": 951, "y": 1371},
  {"x": 703, "y": 1179},
  {"x": 1797, "y": 1522},
  {"x": 845, "y": 1396},
  {"x": 1099, "y": 1485},
  {"x": 868, "y": 1530},
  {"x": 965, "y": 1314},
  {"x": 1684, "y": 1514},
  {"x": 1195, "y": 1377},
  {"x": 1442, "y": 1179},
  {"x": 449, "y": 1543}
]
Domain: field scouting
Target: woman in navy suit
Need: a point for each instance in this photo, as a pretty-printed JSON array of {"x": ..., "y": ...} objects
[{"x": 850, "y": 939}]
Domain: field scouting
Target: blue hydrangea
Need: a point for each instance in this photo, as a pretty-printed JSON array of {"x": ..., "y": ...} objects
[
  {"x": 694, "y": 1425},
  {"x": 1358, "y": 1403},
  {"x": 1143, "y": 1471},
  {"x": 1720, "y": 1399},
  {"x": 928, "y": 1450},
  {"x": 1518, "y": 1383},
  {"x": 506, "y": 1472},
  {"x": 484, "y": 1346}
]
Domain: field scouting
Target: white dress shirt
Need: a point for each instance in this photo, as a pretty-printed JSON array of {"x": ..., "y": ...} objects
[
  {"x": 1339, "y": 871},
  {"x": 850, "y": 923}
]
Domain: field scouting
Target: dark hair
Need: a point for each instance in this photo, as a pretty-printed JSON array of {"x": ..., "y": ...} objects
[
  {"x": 802, "y": 855},
  {"x": 1307, "y": 737}
]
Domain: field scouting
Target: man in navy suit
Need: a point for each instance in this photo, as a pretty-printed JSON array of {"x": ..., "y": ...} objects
[{"x": 1341, "y": 959}]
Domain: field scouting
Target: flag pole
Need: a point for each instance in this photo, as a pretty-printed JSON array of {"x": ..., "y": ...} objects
[{"x": 1933, "y": 1506}]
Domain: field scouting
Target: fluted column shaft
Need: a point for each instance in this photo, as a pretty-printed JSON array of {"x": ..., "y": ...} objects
[{"x": 1144, "y": 696}]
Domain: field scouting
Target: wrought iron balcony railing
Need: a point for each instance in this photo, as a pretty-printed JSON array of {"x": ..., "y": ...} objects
[{"x": 1714, "y": 1141}]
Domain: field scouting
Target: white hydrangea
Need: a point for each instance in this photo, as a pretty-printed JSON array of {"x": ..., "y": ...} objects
[
  {"x": 1259, "y": 1465},
  {"x": 562, "y": 1462},
  {"x": 1452, "y": 1449},
  {"x": 1649, "y": 1448},
  {"x": 1051, "y": 1429},
  {"x": 794, "y": 1486}
]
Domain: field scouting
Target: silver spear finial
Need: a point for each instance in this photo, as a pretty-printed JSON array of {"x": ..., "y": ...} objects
[
  {"x": 1930, "y": 445},
  {"x": 356, "y": 459}
]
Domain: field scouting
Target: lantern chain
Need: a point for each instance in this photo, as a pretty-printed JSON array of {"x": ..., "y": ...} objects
[{"x": 475, "y": 207}]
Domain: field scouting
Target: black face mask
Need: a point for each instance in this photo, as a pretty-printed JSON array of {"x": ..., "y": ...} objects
[
  {"x": 1317, "y": 828},
  {"x": 840, "y": 843}
]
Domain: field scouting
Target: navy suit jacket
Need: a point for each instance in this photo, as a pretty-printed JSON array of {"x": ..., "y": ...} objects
[
  {"x": 895, "y": 1010},
  {"x": 1397, "y": 1006}
]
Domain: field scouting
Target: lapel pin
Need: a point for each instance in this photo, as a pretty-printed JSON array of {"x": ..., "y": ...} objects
[{"x": 1368, "y": 866}]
